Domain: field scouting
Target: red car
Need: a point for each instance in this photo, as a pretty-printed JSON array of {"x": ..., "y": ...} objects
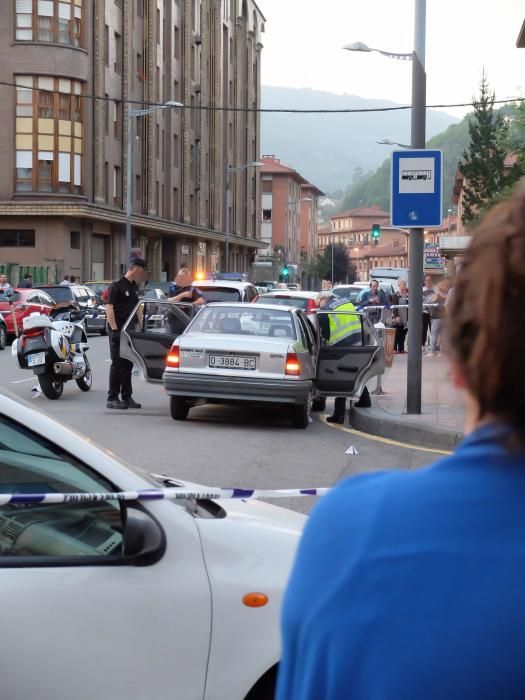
[{"x": 24, "y": 303}]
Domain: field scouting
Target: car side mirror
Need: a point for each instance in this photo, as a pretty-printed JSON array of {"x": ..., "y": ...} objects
[
  {"x": 76, "y": 316},
  {"x": 144, "y": 539}
]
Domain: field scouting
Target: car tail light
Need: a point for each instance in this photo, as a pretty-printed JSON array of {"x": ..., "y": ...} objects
[
  {"x": 173, "y": 359},
  {"x": 311, "y": 306},
  {"x": 293, "y": 366}
]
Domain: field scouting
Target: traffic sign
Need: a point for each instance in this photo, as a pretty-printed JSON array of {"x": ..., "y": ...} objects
[{"x": 417, "y": 189}]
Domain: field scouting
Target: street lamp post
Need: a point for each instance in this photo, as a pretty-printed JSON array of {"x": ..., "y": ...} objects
[
  {"x": 416, "y": 242},
  {"x": 133, "y": 114},
  {"x": 388, "y": 142},
  {"x": 229, "y": 170}
]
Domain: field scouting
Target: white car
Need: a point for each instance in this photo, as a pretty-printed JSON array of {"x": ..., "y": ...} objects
[
  {"x": 136, "y": 599},
  {"x": 226, "y": 290},
  {"x": 256, "y": 353},
  {"x": 301, "y": 300}
]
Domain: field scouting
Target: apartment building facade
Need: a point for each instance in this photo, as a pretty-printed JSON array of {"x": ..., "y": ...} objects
[{"x": 73, "y": 69}]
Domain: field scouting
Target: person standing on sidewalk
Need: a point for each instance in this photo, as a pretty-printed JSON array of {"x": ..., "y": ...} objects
[
  {"x": 122, "y": 299},
  {"x": 4, "y": 284},
  {"x": 400, "y": 298},
  {"x": 438, "y": 317},
  {"x": 374, "y": 296},
  {"x": 409, "y": 583},
  {"x": 429, "y": 295}
]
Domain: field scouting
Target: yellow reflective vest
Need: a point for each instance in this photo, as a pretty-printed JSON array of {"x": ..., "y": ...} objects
[{"x": 343, "y": 325}]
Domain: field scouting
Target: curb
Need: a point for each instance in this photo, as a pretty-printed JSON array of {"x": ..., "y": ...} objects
[{"x": 377, "y": 422}]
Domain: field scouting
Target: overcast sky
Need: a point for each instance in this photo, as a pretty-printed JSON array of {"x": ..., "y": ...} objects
[{"x": 303, "y": 40}]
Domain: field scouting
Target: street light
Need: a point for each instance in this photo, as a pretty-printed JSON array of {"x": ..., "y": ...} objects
[
  {"x": 133, "y": 114},
  {"x": 229, "y": 170},
  {"x": 417, "y": 139},
  {"x": 387, "y": 142}
]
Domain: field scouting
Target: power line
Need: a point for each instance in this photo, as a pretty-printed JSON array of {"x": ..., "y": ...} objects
[{"x": 265, "y": 110}]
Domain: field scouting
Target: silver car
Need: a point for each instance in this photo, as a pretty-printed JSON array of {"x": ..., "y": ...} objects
[{"x": 260, "y": 353}]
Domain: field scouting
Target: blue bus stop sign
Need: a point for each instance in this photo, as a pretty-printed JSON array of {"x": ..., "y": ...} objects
[{"x": 417, "y": 189}]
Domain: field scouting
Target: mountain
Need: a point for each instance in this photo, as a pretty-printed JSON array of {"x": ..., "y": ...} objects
[
  {"x": 375, "y": 189},
  {"x": 327, "y": 148}
]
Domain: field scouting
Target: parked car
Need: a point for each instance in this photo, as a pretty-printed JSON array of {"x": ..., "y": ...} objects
[
  {"x": 349, "y": 291},
  {"x": 99, "y": 287},
  {"x": 147, "y": 599},
  {"x": 258, "y": 353},
  {"x": 293, "y": 286},
  {"x": 83, "y": 298},
  {"x": 226, "y": 290},
  {"x": 163, "y": 286},
  {"x": 153, "y": 293},
  {"x": 300, "y": 300},
  {"x": 20, "y": 304}
]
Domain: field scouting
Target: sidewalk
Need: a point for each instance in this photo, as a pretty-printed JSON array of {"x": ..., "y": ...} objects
[{"x": 440, "y": 424}]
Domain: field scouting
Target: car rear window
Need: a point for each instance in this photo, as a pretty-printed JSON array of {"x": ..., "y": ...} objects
[
  {"x": 348, "y": 292},
  {"x": 239, "y": 321},
  {"x": 219, "y": 293},
  {"x": 283, "y": 300},
  {"x": 59, "y": 294}
]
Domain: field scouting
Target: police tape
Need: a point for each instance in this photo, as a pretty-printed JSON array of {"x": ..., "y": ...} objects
[
  {"x": 375, "y": 307},
  {"x": 168, "y": 494}
]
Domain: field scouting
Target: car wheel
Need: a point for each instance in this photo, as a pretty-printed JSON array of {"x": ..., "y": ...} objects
[
  {"x": 319, "y": 404},
  {"x": 3, "y": 337},
  {"x": 84, "y": 383},
  {"x": 51, "y": 386},
  {"x": 179, "y": 407},
  {"x": 301, "y": 415},
  {"x": 104, "y": 331}
]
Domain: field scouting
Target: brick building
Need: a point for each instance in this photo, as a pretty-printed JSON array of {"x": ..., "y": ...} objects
[
  {"x": 63, "y": 180},
  {"x": 289, "y": 206}
]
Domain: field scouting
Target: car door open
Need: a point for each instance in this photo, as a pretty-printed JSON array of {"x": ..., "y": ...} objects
[
  {"x": 149, "y": 332},
  {"x": 343, "y": 368}
]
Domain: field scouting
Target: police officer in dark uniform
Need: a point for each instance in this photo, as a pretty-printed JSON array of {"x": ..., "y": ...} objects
[{"x": 122, "y": 299}]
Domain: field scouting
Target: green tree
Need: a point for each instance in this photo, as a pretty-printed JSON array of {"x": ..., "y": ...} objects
[
  {"x": 483, "y": 160},
  {"x": 343, "y": 267}
]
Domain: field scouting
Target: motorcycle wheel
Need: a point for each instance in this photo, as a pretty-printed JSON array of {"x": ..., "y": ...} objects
[
  {"x": 51, "y": 386},
  {"x": 3, "y": 337},
  {"x": 84, "y": 383}
]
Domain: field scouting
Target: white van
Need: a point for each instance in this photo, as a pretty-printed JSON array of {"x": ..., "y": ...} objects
[{"x": 389, "y": 276}]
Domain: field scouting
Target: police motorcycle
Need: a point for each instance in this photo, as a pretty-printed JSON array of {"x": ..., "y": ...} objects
[{"x": 55, "y": 349}]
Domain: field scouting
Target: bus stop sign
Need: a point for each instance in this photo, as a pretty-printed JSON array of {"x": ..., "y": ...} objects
[{"x": 417, "y": 189}]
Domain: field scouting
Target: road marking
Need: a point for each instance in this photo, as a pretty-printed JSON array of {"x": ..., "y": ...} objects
[
  {"x": 20, "y": 381},
  {"x": 385, "y": 441}
]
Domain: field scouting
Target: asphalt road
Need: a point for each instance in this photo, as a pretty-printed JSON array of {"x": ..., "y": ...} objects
[{"x": 241, "y": 446}]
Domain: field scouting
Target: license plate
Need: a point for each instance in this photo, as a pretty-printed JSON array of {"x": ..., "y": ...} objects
[
  {"x": 39, "y": 358},
  {"x": 89, "y": 316},
  {"x": 232, "y": 362}
]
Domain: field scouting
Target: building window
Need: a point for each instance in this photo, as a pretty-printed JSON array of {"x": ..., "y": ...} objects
[
  {"x": 106, "y": 45},
  {"x": 117, "y": 66},
  {"x": 116, "y": 185},
  {"x": 74, "y": 240},
  {"x": 117, "y": 118},
  {"x": 48, "y": 135},
  {"x": 54, "y": 21},
  {"x": 13, "y": 238},
  {"x": 266, "y": 215}
]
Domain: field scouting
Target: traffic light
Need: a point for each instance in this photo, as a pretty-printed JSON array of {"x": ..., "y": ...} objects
[
  {"x": 285, "y": 271},
  {"x": 376, "y": 231}
]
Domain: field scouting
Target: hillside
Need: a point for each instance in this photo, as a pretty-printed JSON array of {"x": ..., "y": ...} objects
[
  {"x": 376, "y": 188},
  {"x": 327, "y": 148}
]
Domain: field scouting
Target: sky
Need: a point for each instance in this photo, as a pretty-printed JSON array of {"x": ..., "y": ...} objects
[{"x": 303, "y": 39}]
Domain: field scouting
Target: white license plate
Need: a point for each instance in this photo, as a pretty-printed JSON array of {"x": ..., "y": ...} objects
[
  {"x": 39, "y": 358},
  {"x": 89, "y": 316},
  {"x": 231, "y": 362}
]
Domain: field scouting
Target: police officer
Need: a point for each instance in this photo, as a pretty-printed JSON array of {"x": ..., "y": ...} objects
[
  {"x": 183, "y": 290},
  {"x": 122, "y": 299},
  {"x": 342, "y": 330}
]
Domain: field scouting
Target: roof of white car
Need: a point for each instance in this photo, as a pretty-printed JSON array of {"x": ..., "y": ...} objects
[
  {"x": 247, "y": 307},
  {"x": 232, "y": 284},
  {"x": 292, "y": 293}
]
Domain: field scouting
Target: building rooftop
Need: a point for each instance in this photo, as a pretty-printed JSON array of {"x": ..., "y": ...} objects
[
  {"x": 363, "y": 211},
  {"x": 273, "y": 166}
]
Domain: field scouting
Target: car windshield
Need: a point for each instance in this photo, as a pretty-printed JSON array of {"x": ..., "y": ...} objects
[
  {"x": 241, "y": 321},
  {"x": 350, "y": 293},
  {"x": 283, "y": 300},
  {"x": 59, "y": 294},
  {"x": 15, "y": 296},
  {"x": 219, "y": 293}
]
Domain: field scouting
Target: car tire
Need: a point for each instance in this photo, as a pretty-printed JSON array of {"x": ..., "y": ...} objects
[
  {"x": 319, "y": 404},
  {"x": 84, "y": 383},
  {"x": 3, "y": 337},
  {"x": 179, "y": 408},
  {"x": 301, "y": 415},
  {"x": 104, "y": 330},
  {"x": 51, "y": 386}
]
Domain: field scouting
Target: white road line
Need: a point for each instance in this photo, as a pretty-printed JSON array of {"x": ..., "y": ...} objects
[{"x": 21, "y": 381}]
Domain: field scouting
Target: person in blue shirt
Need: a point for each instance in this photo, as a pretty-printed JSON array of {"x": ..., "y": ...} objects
[
  {"x": 410, "y": 585},
  {"x": 182, "y": 289}
]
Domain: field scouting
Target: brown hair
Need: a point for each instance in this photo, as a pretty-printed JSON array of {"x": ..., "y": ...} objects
[{"x": 487, "y": 316}]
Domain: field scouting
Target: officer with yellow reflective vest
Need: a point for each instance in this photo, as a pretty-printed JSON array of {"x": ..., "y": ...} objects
[{"x": 342, "y": 329}]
